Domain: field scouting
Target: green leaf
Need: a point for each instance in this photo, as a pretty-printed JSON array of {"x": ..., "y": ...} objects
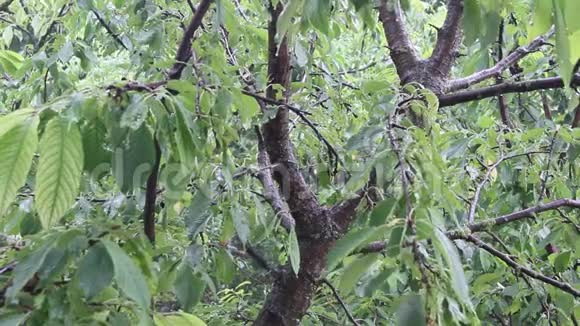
[
  {"x": 411, "y": 311},
  {"x": 128, "y": 276},
  {"x": 178, "y": 319},
  {"x": 96, "y": 271},
  {"x": 247, "y": 106},
  {"x": 562, "y": 261},
  {"x": 184, "y": 139},
  {"x": 135, "y": 113},
  {"x": 198, "y": 213},
  {"x": 12, "y": 319},
  {"x": 294, "y": 251},
  {"x": 542, "y": 19},
  {"x": 382, "y": 211},
  {"x": 59, "y": 170},
  {"x": 183, "y": 87},
  {"x": 240, "y": 219},
  {"x": 352, "y": 272},
  {"x": 10, "y": 61},
  {"x": 188, "y": 287},
  {"x": 458, "y": 281},
  {"x": 26, "y": 269},
  {"x": 17, "y": 146},
  {"x": 132, "y": 162},
  {"x": 95, "y": 153},
  {"x": 562, "y": 42},
  {"x": 223, "y": 102},
  {"x": 346, "y": 245},
  {"x": 472, "y": 21},
  {"x": 572, "y": 10},
  {"x": 317, "y": 12},
  {"x": 225, "y": 266},
  {"x": 285, "y": 18},
  {"x": 13, "y": 119}
]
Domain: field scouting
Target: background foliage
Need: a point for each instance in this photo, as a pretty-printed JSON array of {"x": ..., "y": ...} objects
[{"x": 77, "y": 151}]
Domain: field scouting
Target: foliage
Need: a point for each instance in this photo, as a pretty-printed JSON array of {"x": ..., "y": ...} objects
[{"x": 78, "y": 150}]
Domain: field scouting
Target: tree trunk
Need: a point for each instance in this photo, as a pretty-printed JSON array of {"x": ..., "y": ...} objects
[{"x": 291, "y": 295}]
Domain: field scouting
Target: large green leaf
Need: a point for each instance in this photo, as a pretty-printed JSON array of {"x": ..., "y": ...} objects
[
  {"x": 294, "y": 251},
  {"x": 59, "y": 170},
  {"x": 317, "y": 12},
  {"x": 128, "y": 276},
  {"x": 11, "y": 120},
  {"x": 96, "y": 271},
  {"x": 411, "y": 311},
  {"x": 17, "y": 146},
  {"x": 178, "y": 319},
  {"x": 26, "y": 269},
  {"x": 189, "y": 287},
  {"x": 458, "y": 281},
  {"x": 542, "y": 19},
  {"x": 472, "y": 21},
  {"x": 562, "y": 42},
  {"x": 132, "y": 162},
  {"x": 97, "y": 157},
  {"x": 352, "y": 273},
  {"x": 346, "y": 245}
]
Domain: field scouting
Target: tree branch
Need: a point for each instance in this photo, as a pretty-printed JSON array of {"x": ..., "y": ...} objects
[
  {"x": 271, "y": 191},
  {"x": 504, "y": 88},
  {"x": 402, "y": 52},
  {"x": 184, "y": 52},
  {"x": 576, "y": 119},
  {"x": 516, "y": 216},
  {"x": 151, "y": 195},
  {"x": 501, "y": 66},
  {"x": 520, "y": 268},
  {"x": 448, "y": 39},
  {"x": 301, "y": 201},
  {"x": 378, "y": 246}
]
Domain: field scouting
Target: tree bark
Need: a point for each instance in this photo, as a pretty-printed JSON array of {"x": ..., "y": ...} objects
[{"x": 291, "y": 294}]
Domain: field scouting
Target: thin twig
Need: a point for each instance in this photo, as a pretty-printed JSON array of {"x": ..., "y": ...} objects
[
  {"x": 520, "y": 268},
  {"x": 546, "y": 172},
  {"x": 340, "y": 301},
  {"x": 332, "y": 153},
  {"x": 490, "y": 169},
  {"x": 109, "y": 29}
]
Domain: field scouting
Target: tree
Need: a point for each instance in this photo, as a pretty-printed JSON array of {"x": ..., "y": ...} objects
[{"x": 159, "y": 157}]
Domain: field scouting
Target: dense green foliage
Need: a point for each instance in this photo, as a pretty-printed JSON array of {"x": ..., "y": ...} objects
[{"x": 77, "y": 149}]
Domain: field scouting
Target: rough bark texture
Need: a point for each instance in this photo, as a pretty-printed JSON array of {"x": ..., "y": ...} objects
[
  {"x": 291, "y": 295},
  {"x": 433, "y": 73},
  {"x": 402, "y": 52}
]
